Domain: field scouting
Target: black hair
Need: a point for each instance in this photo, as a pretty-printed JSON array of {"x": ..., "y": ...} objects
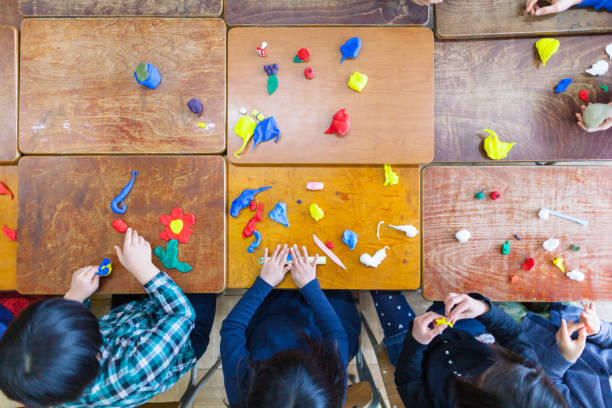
[
  {"x": 298, "y": 379},
  {"x": 49, "y": 353},
  {"x": 511, "y": 382}
]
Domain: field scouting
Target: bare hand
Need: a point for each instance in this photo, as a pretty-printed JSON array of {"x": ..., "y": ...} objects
[
  {"x": 590, "y": 319},
  {"x": 571, "y": 349},
  {"x": 84, "y": 283},
  {"x": 426, "y": 2},
  {"x": 274, "y": 269},
  {"x": 605, "y": 125},
  {"x": 421, "y": 330},
  {"x": 303, "y": 272},
  {"x": 458, "y": 307},
  {"x": 136, "y": 257},
  {"x": 556, "y": 6}
]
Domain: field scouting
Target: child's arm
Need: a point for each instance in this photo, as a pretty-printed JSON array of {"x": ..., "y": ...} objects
[
  {"x": 409, "y": 369},
  {"x": 596, "y": 4},
  {"x": 84, "y": 283},
  {"x": 305, "y": 278},
  {"x": 234, "y": 352}
]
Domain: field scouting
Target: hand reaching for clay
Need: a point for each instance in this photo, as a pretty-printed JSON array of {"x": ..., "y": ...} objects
[
  {"x": 458, "y": 307},
  {"x": 571, "y": 349},
  {"x": 590, "y": 319},
  {"x": 605, "y": 125},
  {"x": 556, "y": 6},
  {"x": 84, "y": 283},
  {"x": 136, "y": 257},
  {"x": 303, "y": 272},
  {"x": 274, "y": 268},
  {"x": 425, "y": 328}
]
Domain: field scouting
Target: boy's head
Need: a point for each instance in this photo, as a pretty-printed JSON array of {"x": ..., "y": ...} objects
[{"x": 49, "y": 354}]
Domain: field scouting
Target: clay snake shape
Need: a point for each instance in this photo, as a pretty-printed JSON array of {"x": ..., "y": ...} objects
[{"x": 117, "y": 204}]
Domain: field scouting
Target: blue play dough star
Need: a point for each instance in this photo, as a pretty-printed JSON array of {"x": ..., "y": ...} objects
[
  {"x": 349, "y": 238},
  {"x": 279, "y": 214},
  {"x": 266, "y": 130},
  {"x": 562, "y": 86},
  {"x": 244, "y": 199},
  {"x": 351, "y": 48}
]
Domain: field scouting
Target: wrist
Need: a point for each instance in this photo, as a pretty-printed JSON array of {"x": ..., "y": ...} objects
[
  {"x": 71, "y": 295},
  {"x": 146, "y": 274}
]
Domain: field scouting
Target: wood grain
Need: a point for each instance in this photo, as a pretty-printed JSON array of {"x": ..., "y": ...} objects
[
  {"x": 66, "y": 218},
  {"x": 9, "y": 15},
  {"x": 8, "y": 217},
  {"x": 319, "y": 12},
  {"x": 478, "y": 265},
  {"x": 353, "y": 198},
  {"x": 88, "y": 101},
  {"x": 391, "y": 119},
  {"x": 501, "y": 85},
  {"x": 496, "y": 18},
  {"x": 199, "y": 8},
  {"x": 9, "y": 55}
]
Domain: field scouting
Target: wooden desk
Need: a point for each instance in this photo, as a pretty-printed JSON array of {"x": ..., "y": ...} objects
[
  {"x": 478, "y": 265},
  {"x": 9, "y": 14},
  {"x": 88, "y": 100},
  {"x": 497, "y": 18},
  {"x": 353, "y": 198},
  {"x": 8, "y": 89},
  {"x": 294, "y": 12},
  {"x": 198, "y": 8},
  {"x": 501, "y": 85},
  {"x": 391, "y": 119},
  {"x": 8, "y": 217},
  {"x": 66, "y": 218}
]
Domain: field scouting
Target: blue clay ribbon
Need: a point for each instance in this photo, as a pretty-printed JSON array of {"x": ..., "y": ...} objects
[{"x": 117, "y": 204}]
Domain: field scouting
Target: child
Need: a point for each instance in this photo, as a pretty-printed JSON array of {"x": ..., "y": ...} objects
[
  {"x": 558, "y": 6},
  {"x": 605, "y": 125},
  {"x": 57, "y": 353},
  {"x": 440, "y": 366},
  {"x": 289, "y": 348},
  {"x": 579, "y": 367}
]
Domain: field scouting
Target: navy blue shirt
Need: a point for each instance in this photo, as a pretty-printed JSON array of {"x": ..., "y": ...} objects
[
  {"x": 247, "y": 336},
  {"x": 597, "y": 4}
]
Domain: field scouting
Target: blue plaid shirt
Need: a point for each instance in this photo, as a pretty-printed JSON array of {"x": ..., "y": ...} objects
[{"x": 146, "y": 348}]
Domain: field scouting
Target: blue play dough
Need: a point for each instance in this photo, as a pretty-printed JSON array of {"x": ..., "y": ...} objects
[
  {"x": 349, "y": 238},
  {"x": 279, "y": 214},
  {"x": 255, "y": 243},
  {"x": 562, "y": 86},
  {"x": 103, "y": 269},
  {"x": 117, "y": 204},
  {"x": 351, "y": 48},
  {"x": 266, "y": 130},
  {"x": 154, "y": 78},
  {"x": 243, "y": 200}
]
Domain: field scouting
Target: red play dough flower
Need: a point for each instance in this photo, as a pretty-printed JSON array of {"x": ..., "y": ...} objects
[
  {"x": 303, "y": 54},
  {"x": 177, "y": 225}
]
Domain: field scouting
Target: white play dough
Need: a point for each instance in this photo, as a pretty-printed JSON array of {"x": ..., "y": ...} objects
[
  {"x": 550, "y": 244},
  {"x": 543, "y": 213},
  {"x": 609, "y": 50},
  {"x": 374, "y": 261},
  {"x": 463, "y": 235},
  {"x": 410, "y": 230},
  {"x": 599, "y": 68},
  {"x": 576, "y": 275}
]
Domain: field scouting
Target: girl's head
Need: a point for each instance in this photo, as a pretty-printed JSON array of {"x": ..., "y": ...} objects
[
  {"x": 511, "y": 382},
  {"x": 298, "y": 379},
  {"x": 49, "y": 354}
]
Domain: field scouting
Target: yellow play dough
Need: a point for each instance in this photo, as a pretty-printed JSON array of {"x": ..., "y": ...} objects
[
  {"x": 546, "y": 48},
  {"x": 390, "y": 176},
  {"x": 358, "y": 81},
  {"x": 494, "y": 147},
  {"x": 176, "y": 226},
  {"x": 245, "y": 129},
  {"x": 316, "y": 212}
]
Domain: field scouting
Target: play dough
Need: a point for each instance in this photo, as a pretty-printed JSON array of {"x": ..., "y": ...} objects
[
  {"x": 391, "y": 177},
  {"x": 546, "y": 48},
  {"x": 598, "y": 68},
  {"x": 463, "y": 236},
  {"x": 595, "y": 114},
  {"x": 576, "y": 275},
  {"x": 496, "y": 149},
  {"x": 550, "y": 244},
  {"x": 357, "y": 81},
  {"x": 410, "y": 230},
  {"x": 373, "y": 261},
  {"x": 316, "y": 212}
]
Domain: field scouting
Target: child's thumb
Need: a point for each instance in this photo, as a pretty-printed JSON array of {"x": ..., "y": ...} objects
[{"x": 582, "y": 335}]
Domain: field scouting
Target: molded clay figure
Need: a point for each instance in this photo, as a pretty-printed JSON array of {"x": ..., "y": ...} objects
[
  {"x": 147, "y": 75},
  {"x": 374, "y": 261},
  {"x": 341, "y": 123},
  {"x": 244, "y": 199}
]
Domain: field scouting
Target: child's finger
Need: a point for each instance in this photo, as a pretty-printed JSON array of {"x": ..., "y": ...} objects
[
  {"x": 582, "y": 335},
  {"x": 286, "y": 269},
  {"x": 305, "y": 254},
  {"x": 564, "y": 333},
  {"x": 316, "y": 260},
  {"x": 119, "y": 253},
  {"x": 266, "y": 254},
  {"x": 128, "y": 238},
  {"x": 276, "y": 251},
  {"x": 573, "y": 327},
  {"x": 283, "y": 259}
]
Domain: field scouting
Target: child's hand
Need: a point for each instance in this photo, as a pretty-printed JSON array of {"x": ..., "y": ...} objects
[
  {"x": 571, "y": 349},
  {"x": 136, "y": 257},
  {"x": 421, "y": 330},
  {"x": 590, "y": 319},
  {"x": 84, "y": 284},
  {"x": 458, "y": 307},
  {"x": 274, "y": 269},
  {"x": 556, "y": 6},
  {"x": 303, "y": 272},
  {"x": 605, "y": 125}
]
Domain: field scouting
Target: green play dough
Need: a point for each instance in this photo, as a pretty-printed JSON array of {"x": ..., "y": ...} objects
[
  {"x": 142, "y": 72},
  {"x": 595, "y": 114},
  {"x": 169, "y": 257}
]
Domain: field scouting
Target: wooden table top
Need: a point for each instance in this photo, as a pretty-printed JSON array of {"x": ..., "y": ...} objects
[
  {"x": 478, "y": 265},
  {"x": 8, "y": 217},
  {"x": 295, "y": 12},
  {"x": 353, "y": 198},
  {"x": 496, "y": 18},
  {"x": 199, "y": 8},
  {"x": 9, "y": 68},
  {"x": 88, "y": 101},
  {"x": 391, "y": 119},
  {"x": 66, "y": 218},
  {"x": 9, "y": 15},
  {"x": 501, "y": 85}
]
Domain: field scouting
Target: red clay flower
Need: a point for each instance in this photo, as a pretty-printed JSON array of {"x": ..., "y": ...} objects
[
  {"x": 303, "y": 54},
  {"x": 177, "y": 225}
]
